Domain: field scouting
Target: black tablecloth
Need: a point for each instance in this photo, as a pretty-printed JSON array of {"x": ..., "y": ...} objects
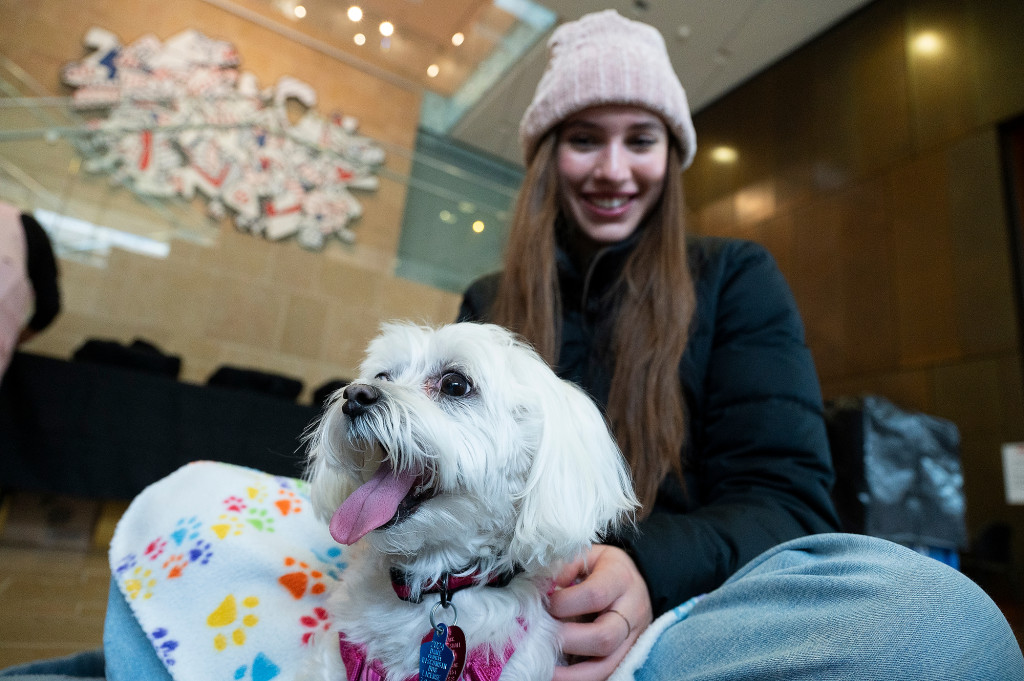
[{"x": 106, "y": 432}]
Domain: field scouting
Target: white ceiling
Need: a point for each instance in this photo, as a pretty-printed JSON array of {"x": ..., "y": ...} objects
[{"x": 724, "y": 42}]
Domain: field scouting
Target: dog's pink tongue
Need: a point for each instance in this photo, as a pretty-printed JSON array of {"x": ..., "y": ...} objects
[{"x": 370, "y": 506}]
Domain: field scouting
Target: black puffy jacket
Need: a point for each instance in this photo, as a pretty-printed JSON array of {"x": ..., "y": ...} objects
[{"x": 758, "y": 470}]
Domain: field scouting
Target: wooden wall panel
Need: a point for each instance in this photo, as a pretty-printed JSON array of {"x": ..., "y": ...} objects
[
  {"x": 943, "y": 89},
  {"x": 985, "y": 298},
  {"x": 889, "y": 218},
  {"x": 924, "y": 262}
]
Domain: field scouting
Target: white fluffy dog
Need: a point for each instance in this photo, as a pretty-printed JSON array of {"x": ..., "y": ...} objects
[{"x": 468, "y": 473}]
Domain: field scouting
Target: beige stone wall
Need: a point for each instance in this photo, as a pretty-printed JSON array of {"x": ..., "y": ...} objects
[{"x": 238, "y": 300}]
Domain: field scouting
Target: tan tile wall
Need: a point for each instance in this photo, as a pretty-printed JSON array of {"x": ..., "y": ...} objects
[
  {"x": 240, "y": 300},
  {"x": 244, "y": 302},
  {"x": 873, "y": 175}
]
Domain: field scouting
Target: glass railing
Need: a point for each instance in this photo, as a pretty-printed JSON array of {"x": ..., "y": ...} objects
[
  {"x": 42, "y": 170},
  {"x": 138, "y": 172}
]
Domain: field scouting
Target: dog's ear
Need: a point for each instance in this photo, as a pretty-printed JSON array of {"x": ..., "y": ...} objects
[
  {"x": 578, "y": 486},
  {"x": 329, "y": 483}
]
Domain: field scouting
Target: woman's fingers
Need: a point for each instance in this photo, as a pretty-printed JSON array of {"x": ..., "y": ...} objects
[
  {"x": 599, "y": 638},
  {"x": 604, "y": 605}
]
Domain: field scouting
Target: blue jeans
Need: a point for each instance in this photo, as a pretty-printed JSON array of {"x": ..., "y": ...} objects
[
  {"x": 840, "y": 606},
  {"x": 821, "y": 607}
]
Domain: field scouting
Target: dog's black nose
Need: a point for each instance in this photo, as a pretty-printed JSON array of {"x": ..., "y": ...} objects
[{"x": 358, "y": 398}]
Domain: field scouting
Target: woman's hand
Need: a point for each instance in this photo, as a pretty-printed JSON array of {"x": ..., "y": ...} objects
[{"x": 604, "y": 606}]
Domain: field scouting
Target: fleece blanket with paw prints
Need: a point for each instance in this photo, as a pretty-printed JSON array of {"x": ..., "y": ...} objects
[{"x": 226, "y": 570}]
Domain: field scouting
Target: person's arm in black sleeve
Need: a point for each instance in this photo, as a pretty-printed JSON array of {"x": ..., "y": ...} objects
[
  {"x": 762, "y": 464},
  {"x": 42, "y": 272}
]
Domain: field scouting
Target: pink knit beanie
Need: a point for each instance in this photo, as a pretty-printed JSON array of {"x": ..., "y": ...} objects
[{"x": 604, "y": 58}]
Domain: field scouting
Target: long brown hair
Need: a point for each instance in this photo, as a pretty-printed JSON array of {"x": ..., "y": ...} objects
[{"x": 656, "y": 297}]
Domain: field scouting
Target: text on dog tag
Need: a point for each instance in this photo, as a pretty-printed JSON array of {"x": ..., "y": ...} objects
[{"x": 442, "y": 654}]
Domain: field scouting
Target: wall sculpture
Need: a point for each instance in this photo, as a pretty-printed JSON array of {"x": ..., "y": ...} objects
[{"x": 179, "y": 118}]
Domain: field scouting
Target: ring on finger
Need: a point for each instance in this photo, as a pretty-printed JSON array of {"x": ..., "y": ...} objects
[{"x": 629, "y": 627}]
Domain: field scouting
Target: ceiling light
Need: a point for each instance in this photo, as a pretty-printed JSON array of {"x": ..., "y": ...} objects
[
  {"x": 478, "y": 226},
  {"x": 386, "y": 28},
  {"x": 355, "y": 13},
  {"x": 433, "y": 70},
  {"x": 927, "y": 42},
  {"x": 724, "y": 155},
  {"x": 300, "y": 11},
  {"x": 458, "y": 39},
  {"x": 360, "y": 39}
]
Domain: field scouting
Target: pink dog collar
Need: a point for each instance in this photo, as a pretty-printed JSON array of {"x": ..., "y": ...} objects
[
  {"x": 482, "y": 664},
  {"x": 454, "y": 583}
]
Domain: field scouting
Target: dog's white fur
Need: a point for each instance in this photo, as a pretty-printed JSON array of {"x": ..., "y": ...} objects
[{"x": 526, "y": 476}]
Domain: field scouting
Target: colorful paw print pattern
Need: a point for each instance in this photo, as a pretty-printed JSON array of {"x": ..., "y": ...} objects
[
  {"x": 227, "y": 570},
  {"x": 316, "y": 621},
  {"x": 330, "y": 561},
  {"x": 288, "y": 502},
  {"x": 235, "y": 504},
  {"x": 175, "y": 565},
  {"x": 301, "y": 579},
  {"x": 261, "y": 669},
  {"x": 297, "y": 484},
  {"x": 139, "y": 583},
  {"x": 256, "y": 493},
  {"x": 155, "y": 548},
  {"x": 184, "y": 545},
  {"x": 186, "y": 530},
  {"x": 258, "y": 508},
  {"x": 201, "y": 552},
  {"x": 228, "y": 525},
  {"x": 124, "y": 565},
  {"x": 260, "y": 519},
  {"x": 231, "y": 622},
  {"x": 164, "y": 645}
]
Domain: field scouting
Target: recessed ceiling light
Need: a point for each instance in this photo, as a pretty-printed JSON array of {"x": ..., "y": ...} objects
[
  {"x": 724, "y": 154},
  {"x": 386, "y": 28},
  {"x": 458, "y": 39},
  {"x": 478, "y": 226},
  {"x": 927, "y": 42},
  {"x": 359, "y": 39},
  {"x": 300, "y": 11},
  {"x": 355, "y": 13},
  {"x": 433, "y": 70}
]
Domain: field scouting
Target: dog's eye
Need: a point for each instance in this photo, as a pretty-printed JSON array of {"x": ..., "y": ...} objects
[
  {"x": 455, "y": 384},
  {"x": 383, "y": 376}
]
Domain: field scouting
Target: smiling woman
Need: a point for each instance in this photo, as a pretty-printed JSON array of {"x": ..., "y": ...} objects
[
  {"x": 611, "y": 161},
  {"x": 695, "y": 348}
]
